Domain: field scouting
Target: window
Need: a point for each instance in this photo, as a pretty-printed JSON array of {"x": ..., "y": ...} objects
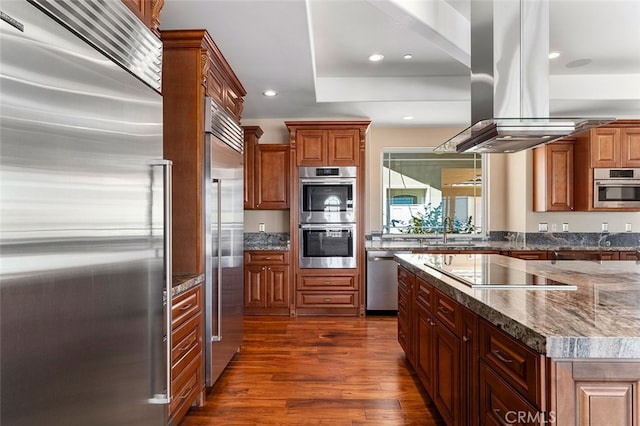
[{"x": 422, "y": 188}]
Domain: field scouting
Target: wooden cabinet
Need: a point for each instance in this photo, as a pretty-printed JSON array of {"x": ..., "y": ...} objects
[
  {"x": 148, "y": 11},
  {"x": 596, "y": 392},
  {"x": 335, "y": 147},
  {"x": 187, "y": 385},
  {"x": 431, "y": 331},
  {"x": 630, "y": 255},
  {"x": 527, "y": 254},
  {"x": 272, "y": 177},
  {"x": 328, "y": 143},
  {"x": 192, "y": 68},
  {"x": 267, "y": 176},
  {"x": 615, "y": 147},
  {"x": 327, "y": 291},
  {"x": 553, "y": 177},
  {"x": 267, "y": 288}
]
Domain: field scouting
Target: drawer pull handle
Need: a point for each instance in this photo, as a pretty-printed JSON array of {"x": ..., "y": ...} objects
[
  {"x": 465, "y": 339},
  {"x": 186, "y": 346},
  {"x": 327, "y": 283},
  {"x": 327, "y": 300},
  {"x": 502, "y": 356},
  {"x": 444, "y": 310},
  {"x": 185, "y": 307},
  {"x": 186, "y": 393}
]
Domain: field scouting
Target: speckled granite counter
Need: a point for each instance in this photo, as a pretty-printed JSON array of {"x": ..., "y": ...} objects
[
  {"x": 266, "y": 241},
  {"x": 182, "y": 283},
  {"x": 601, "y": 319}
]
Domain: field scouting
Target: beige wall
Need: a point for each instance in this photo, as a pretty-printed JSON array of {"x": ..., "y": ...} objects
[{"x": 509, "y": 193}]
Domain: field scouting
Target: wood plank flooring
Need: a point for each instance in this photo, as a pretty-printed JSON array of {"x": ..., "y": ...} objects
[{"x": 317, "y": 371}]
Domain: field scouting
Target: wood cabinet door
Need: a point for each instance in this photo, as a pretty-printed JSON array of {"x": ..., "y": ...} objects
[
  {"x": 311, "y": 147},
  {"x": 630, "y": 147},
  {"x": 271, "y": 189},
  {"x": 342, "y": 147},
  {"x": 605, "y": 147},
  {"x": 469, "y": 368},
  {"x": 278, "y": 287},
  {"x": 254, "y": 286},
  {"x": 423, "y": 356},
  {"x": 446, "y": 373},
  {"x": 560, "y": 177}
]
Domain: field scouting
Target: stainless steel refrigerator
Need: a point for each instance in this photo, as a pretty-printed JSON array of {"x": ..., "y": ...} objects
[
  {"x": 224, "y": 228},
  {"x": 84, "y": 220}
]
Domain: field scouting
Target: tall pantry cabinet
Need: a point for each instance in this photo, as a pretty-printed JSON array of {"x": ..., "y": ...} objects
[
  {"x": 328, "y": 143},
  {"x": 192, "y": 69}
]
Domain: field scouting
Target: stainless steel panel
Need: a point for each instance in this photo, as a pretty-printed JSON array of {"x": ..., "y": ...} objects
[
  {"x": 382, "y": 281},
  {"x": 81, "y": 233},
  {"x": 333, "y": 261},
  {"x": 224, "y": 277}
]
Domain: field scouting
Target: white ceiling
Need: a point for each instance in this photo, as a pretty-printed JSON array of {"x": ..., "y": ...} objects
[{"x": 314, "y": 53}]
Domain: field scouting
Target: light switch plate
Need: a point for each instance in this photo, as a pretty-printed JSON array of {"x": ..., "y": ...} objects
[
  {"x": 261, "y": 227},
  {"x": 543, "y": 227},
  {"x": 565, "y": 227},
  {"x": 627, "y": 227},
  {"x": 605, "y": 227}
]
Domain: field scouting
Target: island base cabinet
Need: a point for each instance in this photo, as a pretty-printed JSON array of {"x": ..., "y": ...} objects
[
  {"x": 596, "y": 393},
  {"x": 500, "y": 404}
]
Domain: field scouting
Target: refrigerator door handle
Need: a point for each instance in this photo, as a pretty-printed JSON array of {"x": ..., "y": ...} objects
[
  {"x": 218, "y": 336},
  {"x": 167, "y": 166}
]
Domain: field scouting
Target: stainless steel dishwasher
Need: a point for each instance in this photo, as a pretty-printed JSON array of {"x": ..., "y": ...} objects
[{"x": 382, "y": 280}]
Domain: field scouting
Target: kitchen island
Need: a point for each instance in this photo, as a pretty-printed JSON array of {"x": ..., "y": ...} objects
[{"x": 567, "y": 355}]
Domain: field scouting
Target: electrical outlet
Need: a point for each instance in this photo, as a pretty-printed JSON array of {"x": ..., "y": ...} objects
[
  {"x": 261, "y": 227},
  {"x": 605, "y": 227},
  {"x": 627, "y": 227},
  {"x": 542, "y": 227},
  {"x": 565, "y": 227},
  {"x": 554, "y": 227}
]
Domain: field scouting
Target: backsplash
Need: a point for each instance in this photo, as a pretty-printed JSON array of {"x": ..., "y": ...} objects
[
  {"x": 266, "y": 240},
  {"x": 569, "y": 239}
]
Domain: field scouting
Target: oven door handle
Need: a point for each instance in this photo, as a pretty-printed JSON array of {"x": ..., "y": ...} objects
[
  {"x": 605, "y": 183},
  {"x": 337, "y": 227},
  {"x": 328, "y": 181}
]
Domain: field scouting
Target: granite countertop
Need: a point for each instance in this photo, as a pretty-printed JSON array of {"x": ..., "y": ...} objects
[
  {"x": 600, "y": 319},
  {"x": 266, "y": 241},
  {"x": 183, "y": 282},
  {"x": 480, "y": 245}
]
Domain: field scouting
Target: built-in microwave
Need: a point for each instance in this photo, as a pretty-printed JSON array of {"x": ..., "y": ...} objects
[
  {"x": 616, "y": 188},
  {"x": 327, "y": 194},
  {"x": 327, "y": 246}
]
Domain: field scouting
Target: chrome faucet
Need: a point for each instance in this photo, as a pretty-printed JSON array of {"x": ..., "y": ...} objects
[{"x": 446, "y": 225}]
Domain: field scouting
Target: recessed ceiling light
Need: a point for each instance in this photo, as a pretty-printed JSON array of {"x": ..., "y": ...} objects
[
  {"x": 579, "y": 63},
  {"x": 553, "y": 55},
  {"x": 408, "y": 56},
  {"x": 270, "y": 93},
  {"x": 408, "y": 117},
  {"x": 376, "y": 57}
]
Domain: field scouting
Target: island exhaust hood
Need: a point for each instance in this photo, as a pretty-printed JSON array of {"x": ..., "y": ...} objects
[{"x": 521, "y": 84}]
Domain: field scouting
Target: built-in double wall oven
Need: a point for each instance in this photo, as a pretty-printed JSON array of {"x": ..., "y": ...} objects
[{"x": 327, "y": 217}]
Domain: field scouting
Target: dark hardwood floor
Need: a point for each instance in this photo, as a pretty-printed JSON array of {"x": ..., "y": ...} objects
[{"x": 317, "y": 371}]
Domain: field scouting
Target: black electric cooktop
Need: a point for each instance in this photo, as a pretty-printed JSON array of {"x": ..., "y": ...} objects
[{"x": 477, "y": 271}]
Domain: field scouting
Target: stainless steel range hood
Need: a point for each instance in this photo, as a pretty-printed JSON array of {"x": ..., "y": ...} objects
[
  {"x": 512, "y": 44},
  {"x": 507, "y": 135}
]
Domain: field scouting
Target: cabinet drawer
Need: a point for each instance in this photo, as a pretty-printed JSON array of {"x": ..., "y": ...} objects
[
  {"x": 186, "y": 343},
  {"x": 501, "y": 405},
  {"x": 186, "y": 305},
  {"x": 185, "y": 388},
  {"x": 333, "y": 282},
  {"x": 266, "y": 257},
  {"x": 424, "y": 294},
  {"x": 343, "y": 299},
  {"x": 447, "y": 311},
  {"x": 520, "y": 366},
  {"x": 404, "y": 276}
]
